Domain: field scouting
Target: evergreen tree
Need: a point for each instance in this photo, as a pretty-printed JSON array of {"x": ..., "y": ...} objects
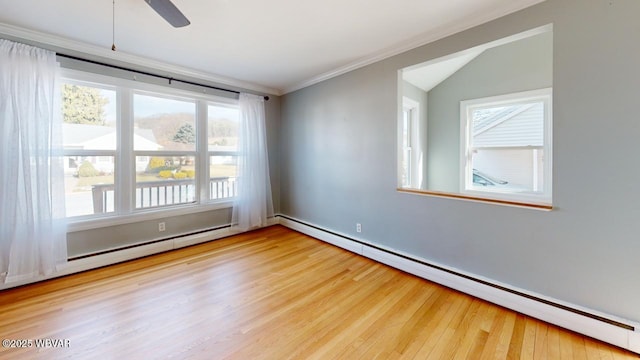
[{"x": 186, "y": 134}]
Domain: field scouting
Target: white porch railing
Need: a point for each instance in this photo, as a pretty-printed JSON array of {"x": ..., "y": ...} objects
[{"x": 150, "y": 194}]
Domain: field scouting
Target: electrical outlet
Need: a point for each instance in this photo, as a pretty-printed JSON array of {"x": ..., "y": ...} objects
[
  {"x": 358, "y": 227},
  {"x": 161, "y": 226}
]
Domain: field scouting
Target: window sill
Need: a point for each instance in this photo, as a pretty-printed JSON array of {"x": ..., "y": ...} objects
[
  {"x": 528, "y": 205},
  {"x": 82, "y": 224}
]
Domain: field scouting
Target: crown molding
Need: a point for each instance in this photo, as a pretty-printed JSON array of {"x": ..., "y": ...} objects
[
  {"x": 60, "y": 44},
  {"x": 415, "y": 42}
]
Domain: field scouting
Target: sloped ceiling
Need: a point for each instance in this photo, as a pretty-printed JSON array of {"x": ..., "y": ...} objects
[{"x": 428, "y": 76}]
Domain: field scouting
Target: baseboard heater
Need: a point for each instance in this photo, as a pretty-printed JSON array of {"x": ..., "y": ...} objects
[
  {"x": 465, "y": 276},
  {"x": 150, "y": 242}
]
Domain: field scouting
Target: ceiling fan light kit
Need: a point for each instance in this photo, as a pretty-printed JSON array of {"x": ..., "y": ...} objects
[{"x": 169, "y": 12}]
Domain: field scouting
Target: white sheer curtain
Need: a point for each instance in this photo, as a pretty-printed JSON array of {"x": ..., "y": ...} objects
[
  {"x": 32, "y": 227},
  {"x": 253, "y": 203}
]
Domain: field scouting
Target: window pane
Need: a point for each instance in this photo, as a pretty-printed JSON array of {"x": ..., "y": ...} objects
[
  {"x": 515, "y": 125},
  {"x": 507, "y": 147},
  {"x": 222, "y": 173},
  {"x": 165, "y": 180},
  {"x": 163, "y": 124},
  {"x": 222, "y": 128},
  {"x": 508, "y": 170},
  {"x": 89, "y": 116},
  {"x": 406, "y": 148},
  {"x": 89, "y": 185},
  {"x": 406, "y": 168}
]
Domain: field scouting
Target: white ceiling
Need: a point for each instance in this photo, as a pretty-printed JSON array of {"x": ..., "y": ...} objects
[{"x": 271, "y": 46}]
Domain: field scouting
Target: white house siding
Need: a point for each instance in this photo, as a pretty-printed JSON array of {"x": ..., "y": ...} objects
[
  {"x": 95, "y": 137},
  {"x": 511, "y": 149},
  {"x": 523, "y": 129}
]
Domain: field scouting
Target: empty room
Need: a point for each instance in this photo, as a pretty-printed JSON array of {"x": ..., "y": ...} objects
[{"x": 332, "y": 180}]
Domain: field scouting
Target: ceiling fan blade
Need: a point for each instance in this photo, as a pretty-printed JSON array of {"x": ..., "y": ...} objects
[{"x": 169, "y": 12}]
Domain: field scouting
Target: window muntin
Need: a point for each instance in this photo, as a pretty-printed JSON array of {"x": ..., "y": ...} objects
[{"x": 506, "y": 146}]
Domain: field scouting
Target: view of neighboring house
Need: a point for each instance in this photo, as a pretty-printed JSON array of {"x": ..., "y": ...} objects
[
  {"x": 508, "y": 143},
  {"x": 96, "y": 137}
]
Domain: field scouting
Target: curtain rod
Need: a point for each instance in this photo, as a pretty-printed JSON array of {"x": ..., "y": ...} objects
[{"x": 170, "y": 79}]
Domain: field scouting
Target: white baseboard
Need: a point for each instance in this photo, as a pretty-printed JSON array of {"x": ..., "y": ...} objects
[
  {"x": 117, "y": 256},
  {"x": 589, "y": 326},
  {"x": 634, "y": 342},
  {"x": 543, "y": 310},
  {"x": 114, "y": 257}
]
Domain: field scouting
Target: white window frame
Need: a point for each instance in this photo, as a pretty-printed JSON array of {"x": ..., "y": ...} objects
[
  {"x": 168, "y": 153},
  {"x": 90, "y": 82},
  {"x": 124, "y": 155},
  {"x": 410, "y": 135},
  {"x": 466, "y": 146}
]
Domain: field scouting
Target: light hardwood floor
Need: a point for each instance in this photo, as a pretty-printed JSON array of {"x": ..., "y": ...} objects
[{"x": 271, "y": 294}]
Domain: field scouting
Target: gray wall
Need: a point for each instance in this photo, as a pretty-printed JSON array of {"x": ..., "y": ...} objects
[
  {"x": 514, "y": 67},
  {"x": 338, "y": 164},
  {"x": 118, "y": 236}
]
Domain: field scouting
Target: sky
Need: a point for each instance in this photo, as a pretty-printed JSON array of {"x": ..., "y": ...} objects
[{"x": 151, "y": 105}]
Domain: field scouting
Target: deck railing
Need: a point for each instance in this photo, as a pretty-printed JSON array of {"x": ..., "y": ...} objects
[{"x": 150, "y": 194}]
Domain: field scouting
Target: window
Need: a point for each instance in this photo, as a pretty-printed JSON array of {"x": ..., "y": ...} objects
[
  {"x": 410, "y": 171},
  {"x": 406, "y": 146},
  {"x": 90, "y": 146},
  {"x": 469, "y": 143},
  {"x": 164, "y": 143},
  {"x": 222, "y": 143},
  {"x": 132, "y": 147},
  {"x": 506, "y": 146}
]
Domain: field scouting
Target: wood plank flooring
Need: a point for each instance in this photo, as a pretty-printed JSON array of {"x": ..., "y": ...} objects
[{"x": 271, "y": 294}]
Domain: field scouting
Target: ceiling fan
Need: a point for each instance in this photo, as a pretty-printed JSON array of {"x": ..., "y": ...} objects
[
  {"x": 169, "y": 12},
  {"x": 164, "y": 8}
]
